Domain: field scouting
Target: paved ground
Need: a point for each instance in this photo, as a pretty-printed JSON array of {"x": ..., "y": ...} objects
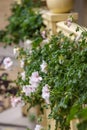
[
  {"x": 11, "y": 115},
  {"x": 8, "y": 52},
  {"x": 14, "y": 116}
]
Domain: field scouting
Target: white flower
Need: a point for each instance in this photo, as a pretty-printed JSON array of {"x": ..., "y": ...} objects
[
  {"x": 15, "y": 101},
  {"x": 28, "y": 45},
  {"x": 23, "y": 75},
  {"x": 7, "y": 62},
  {"x": 44, "y": 42},
  {"x": 35, "y": 78},
  {"x": 16, "y": 52},
  {"x": 44, "y": 67},
  {"x": 38, "y": 127},
  {"x": 22, "y": 63},
  {"x": 46, "y": 93},
  {"x": 28, "y": 89}
]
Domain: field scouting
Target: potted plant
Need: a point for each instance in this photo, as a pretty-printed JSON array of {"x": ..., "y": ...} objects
[{"x": 60, "y": 6}]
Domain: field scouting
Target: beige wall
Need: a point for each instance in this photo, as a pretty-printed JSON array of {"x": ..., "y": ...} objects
[
  {"x": 4, "y": 12},
  {"x": 81, "y": 8}
]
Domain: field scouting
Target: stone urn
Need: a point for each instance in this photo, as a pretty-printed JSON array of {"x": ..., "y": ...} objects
[
  {"x": 60, "y": 6},
  {"x": 18, "y": 1}
]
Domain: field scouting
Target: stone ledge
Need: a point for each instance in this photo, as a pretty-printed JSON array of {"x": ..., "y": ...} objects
[
  {"x": 55, "y": 17},
  {"x": 68, "y": 30}
]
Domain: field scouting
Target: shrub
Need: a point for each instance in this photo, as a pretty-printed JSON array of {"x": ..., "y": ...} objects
[{"x": 24, "y": 23}]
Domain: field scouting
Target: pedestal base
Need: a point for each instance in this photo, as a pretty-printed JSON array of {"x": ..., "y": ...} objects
[{"x": 50, "y": 19}]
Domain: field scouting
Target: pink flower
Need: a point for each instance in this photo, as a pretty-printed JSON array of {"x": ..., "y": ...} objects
[
  {"x": 15, "y": 101},
  {"x": 68, "y": 22},
  {"x": 43, "y": 34},
  {"x": 44, "y": 67},
  {"x": 35, "y": 85},
  {"x": 7, "y": 62},
  {"x": 35, "y": 78},
  {"x": 46, "y": 93},
  {"x": 38, "y": 127},
  {"x": 28, "y": 89}
]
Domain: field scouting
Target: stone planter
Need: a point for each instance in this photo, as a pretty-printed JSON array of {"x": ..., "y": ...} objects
[
  {"x": 46, "y": 122},
  {"x": 35, "y": 112},
  {"x": 60, "y": 6},
  {"x": 32, "y": 111},
  {"x": 24, "y": 109}
]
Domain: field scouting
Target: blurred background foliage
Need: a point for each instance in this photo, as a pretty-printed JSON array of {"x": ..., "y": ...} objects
[{"x": 25, "y": 22}]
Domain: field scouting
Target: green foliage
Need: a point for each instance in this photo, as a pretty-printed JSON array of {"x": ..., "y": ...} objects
[
  {"x": 24, "y": 23},
  {"x": 83, "y": 125},
  {"x": 28, "y": 129},
  {"x": 66, "y": 75},
  {"x": 32, "y": 117}
]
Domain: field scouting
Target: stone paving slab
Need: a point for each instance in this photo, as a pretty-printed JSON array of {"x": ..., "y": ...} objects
[
  {"x": 8, "y": 51},
  {"x": 14, "y": 116}
]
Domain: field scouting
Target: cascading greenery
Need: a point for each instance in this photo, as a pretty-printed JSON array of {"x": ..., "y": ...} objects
[
  {"x": 66, "y": 75},
  {"x": 24, "y": 23}
]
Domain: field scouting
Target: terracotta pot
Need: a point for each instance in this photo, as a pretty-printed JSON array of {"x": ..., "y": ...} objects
[{"x": 60, "y": 6}]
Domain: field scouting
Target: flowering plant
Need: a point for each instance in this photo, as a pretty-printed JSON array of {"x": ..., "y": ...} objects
[{"x": 56, "y": 75}]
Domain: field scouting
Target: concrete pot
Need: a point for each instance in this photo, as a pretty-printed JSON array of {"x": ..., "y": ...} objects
[{"x": 60, "y": 6}]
